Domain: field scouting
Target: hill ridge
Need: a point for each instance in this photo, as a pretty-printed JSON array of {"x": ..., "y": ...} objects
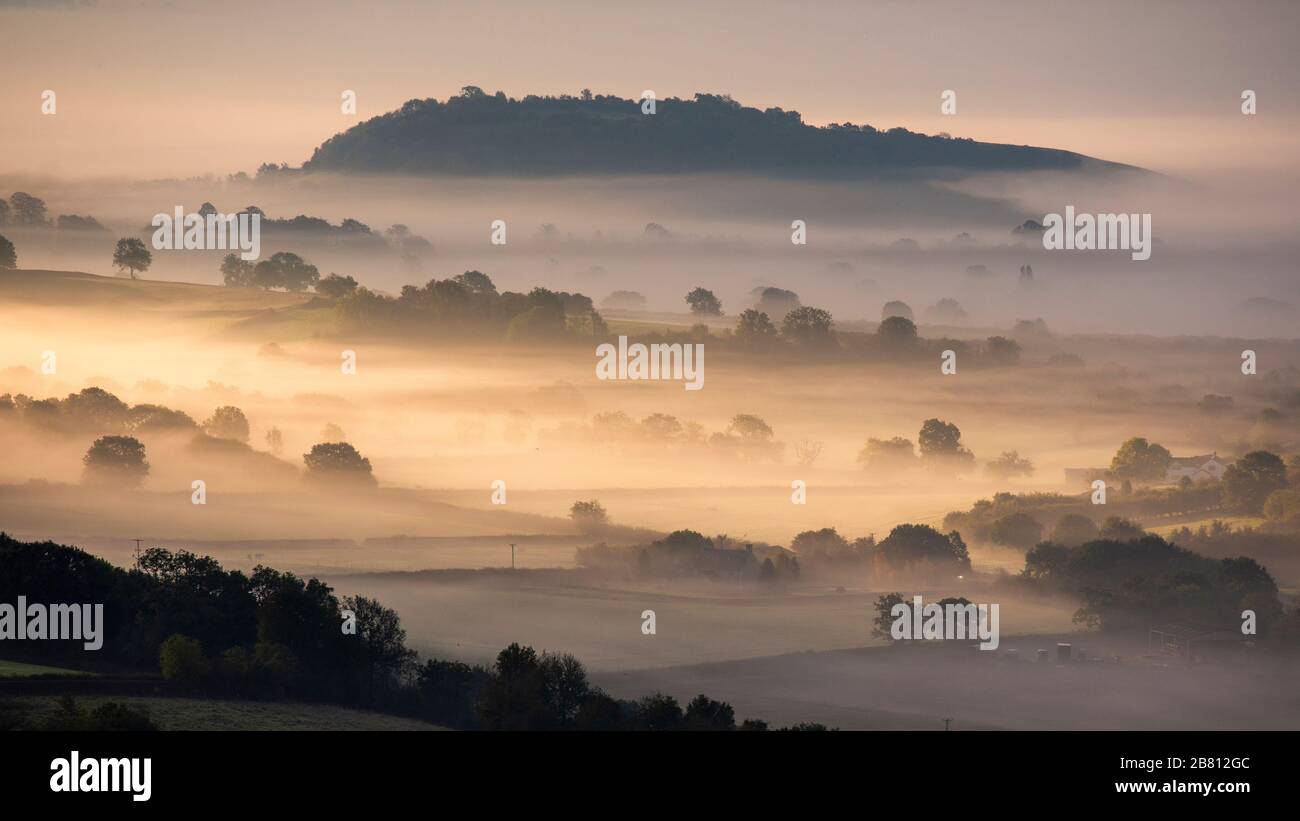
[{"x": 480, "y": 133}]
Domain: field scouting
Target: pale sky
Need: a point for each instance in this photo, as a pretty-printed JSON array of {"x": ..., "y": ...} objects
[{"x": 179, "y": 89}]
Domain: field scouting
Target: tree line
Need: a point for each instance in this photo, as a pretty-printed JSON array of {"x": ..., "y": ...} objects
[{"x": 212, "y": 632}]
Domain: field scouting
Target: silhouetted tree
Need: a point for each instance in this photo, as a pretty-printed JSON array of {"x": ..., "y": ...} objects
[
  {"x": 131, "y": 255},
  {"x": 940, "y": 445},
  {"x": 704, "y": 713},
  {"x": 1249, "y": 481},
  {"x": 1139, "y": 459},
  {"x": 227, "y": 422},
  {"x": 116, "y": 460},
  {"x": 285, "y": 270},
  {"x": 589, "y": 516},
  {"x": 382, "y": 650},
  {"x": 477, "y": 282},
  {"x": 911, "y": 546},
  {"x": 659, "y": 712},
  {"x": 808, "y": 326},
  {"x": 26, "y": 209},
  {"x": 237, "y": 272},
  {"x": 1009, "y": 464},
  {"x": 897, "y": 332},
  {"x": 338, "y": 462},
  {"x": 334, "y": 286},
  {"x": 704, "y": 303},
  {"x": 755, "y": 331}
]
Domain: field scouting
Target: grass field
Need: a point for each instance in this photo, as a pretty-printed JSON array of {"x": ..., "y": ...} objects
[
  {"x": 216, "y": 714},
  {"x": 1235, "y": 522},
  {"x": 16, "y": 669}
]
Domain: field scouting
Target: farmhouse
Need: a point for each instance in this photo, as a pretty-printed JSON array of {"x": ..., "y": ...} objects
[{"x": 1197, "y": 468}]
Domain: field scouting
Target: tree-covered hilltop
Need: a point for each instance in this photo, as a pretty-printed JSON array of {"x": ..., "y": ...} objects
[{"x": 480, "y": 133}]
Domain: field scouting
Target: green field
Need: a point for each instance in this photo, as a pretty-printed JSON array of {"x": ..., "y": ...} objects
[
  {"x": 16, "y": 669},
  {"x": 217, "y": 714}
]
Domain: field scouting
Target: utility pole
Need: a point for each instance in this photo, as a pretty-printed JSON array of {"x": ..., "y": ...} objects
[
  {"x": 137, "y": 552},
  {"x": 512, "y": 555}
]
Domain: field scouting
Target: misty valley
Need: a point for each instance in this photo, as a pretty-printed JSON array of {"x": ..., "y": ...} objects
[{"x": 417, "y": 434}]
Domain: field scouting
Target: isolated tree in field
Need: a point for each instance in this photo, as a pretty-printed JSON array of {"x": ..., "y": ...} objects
[
  {"x": 8, "y": 256},
  {"x": 1139, "y": 459},
  {"x": 26, "y": 209},
  {"x": 704, "y": 303},
  {"x": 1009, "y": 464},
  {"x": 227, "y": 422},
  {"x": 118, "y": 460},
  {"x": 1252, "y": 478},
  {"x": 589, "y": 516},
  {"x": 275, "y": 441},
  {"x": 809, "y": 327},
  {"x": 940, "y": 444},
  {"x": 237, "y": 272},
  {"x": 897, "y": 332},
  {"x": 755, "y": 330},
  {"x": 338, "y": 462},
  {"x": 285, "y": 270},
  {"x": 335, "y": 286},
  {"x": 132, "y": 256},
  {"x": 1016, "y": 530}
]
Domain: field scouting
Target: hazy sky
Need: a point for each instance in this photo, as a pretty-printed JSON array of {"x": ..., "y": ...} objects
[{"x": 188, "y": 87}]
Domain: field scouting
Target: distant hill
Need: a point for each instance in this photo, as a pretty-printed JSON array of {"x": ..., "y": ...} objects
[{"x": 480, "y": 133}]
